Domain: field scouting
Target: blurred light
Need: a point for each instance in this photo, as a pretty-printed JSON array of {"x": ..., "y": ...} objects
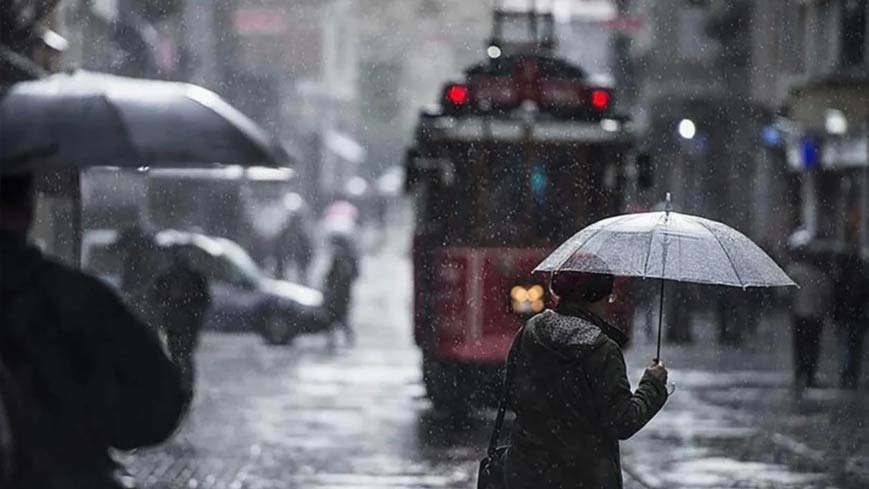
[
  {"x": 600, "y": 99},
  {"x": 537, "y": 306},
  {"x": 609, "y": 125},
  {"x": 494, "y": 52},
  {"x": 519, "y": 293},
  {"x": 356, "y": 186},
  {"x": 687, "y": 129},
  {"x": 458, "y": 94},
  {"x": 143, "y": 168},
  {"x": 535, "y": 293},
  {"x": 54, "y": 40},
  {"x": 293, "y": 201},
  {"x": 391, "y": 181},
  {"x": 811, "y": 153},
  {"x": 539, "y": 182},
  {"x": 835, "y": 122},
  {"x": 771, "y": 136},
  {"x": 264, "y": 173}
]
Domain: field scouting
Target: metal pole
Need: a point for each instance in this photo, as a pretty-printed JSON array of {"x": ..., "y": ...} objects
[{"x": 660, "y": 322}]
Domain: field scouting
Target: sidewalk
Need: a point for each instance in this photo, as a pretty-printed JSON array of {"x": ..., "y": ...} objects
[{"x": 735, "y": 421}]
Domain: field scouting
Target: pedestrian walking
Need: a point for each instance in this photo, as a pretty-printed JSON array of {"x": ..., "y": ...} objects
[
  {"x": 139, "y": 265},
  {"x": 88, "y": 375},
  {"x": 293, "y": 250},
  {"x": 810, "y": 306},
  {"x": 181, "y": 297},
  {"x": 571, "y": 393},
  {"x": 851, "y": 313},
  {"x": 343, "y": 271}
]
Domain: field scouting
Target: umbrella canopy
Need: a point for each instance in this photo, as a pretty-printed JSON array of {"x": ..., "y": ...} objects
[
  {"x": 667, "y": 245},
  {"x": 82, "y": 119}
]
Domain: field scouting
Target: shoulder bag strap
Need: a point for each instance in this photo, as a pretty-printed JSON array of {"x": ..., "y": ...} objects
[{"x": 506, "y": 391}]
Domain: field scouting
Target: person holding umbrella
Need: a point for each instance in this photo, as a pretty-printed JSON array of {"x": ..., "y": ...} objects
[
  {"x": 89, "y": 376},
  {"x": 571, "y": 393},
  {"x": 565, "y": 375}
]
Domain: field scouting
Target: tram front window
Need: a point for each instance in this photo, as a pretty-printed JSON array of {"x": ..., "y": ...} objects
[{"x": 511, "y": 198}]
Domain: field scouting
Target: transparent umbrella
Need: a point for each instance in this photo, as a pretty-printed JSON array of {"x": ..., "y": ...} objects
[{"x": 667, "y": 246}]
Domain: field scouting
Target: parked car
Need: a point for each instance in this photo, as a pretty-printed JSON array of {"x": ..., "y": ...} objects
[{"x": 243, "y": 297}]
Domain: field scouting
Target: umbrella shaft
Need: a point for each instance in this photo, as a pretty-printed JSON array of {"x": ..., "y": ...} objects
[{"x": 660, "y": 321}]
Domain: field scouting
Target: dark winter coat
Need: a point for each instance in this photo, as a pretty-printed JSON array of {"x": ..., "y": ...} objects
[
  {"x": 88, "y": 375},
  {"x": 573, "y": 403}
]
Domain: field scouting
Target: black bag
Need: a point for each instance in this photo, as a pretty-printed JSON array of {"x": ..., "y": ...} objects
[{"x": 491, "y": 475}]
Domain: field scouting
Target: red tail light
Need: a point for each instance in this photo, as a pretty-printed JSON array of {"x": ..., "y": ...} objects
[
  {"x": 600, "y": 99},
  {"x": 458, "y": 94}
]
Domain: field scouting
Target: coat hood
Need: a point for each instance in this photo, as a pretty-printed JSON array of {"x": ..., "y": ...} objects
[
  {"x": 570, "y": 331},
  {"x": 567, "y": 336}
]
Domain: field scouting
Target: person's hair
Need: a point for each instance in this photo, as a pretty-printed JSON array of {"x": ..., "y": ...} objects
[
  {"x": 579, "y": 286},
  {"x": 16, "y": 200}
]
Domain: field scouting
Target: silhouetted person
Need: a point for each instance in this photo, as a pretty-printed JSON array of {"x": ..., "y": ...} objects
[
  {"x": 571, "y": 394},
  {"x": 810, "y": 306},
  {"x": 339, "y": 284},
  {"x": 293, "y": 248},
  {"x": 138, "y": 268},
  {"x": 851, "y": 312},
  {"x": 88, "y": 374},
  {"x": 181, "y": 296},
  {"x": 738, "y": 313}
]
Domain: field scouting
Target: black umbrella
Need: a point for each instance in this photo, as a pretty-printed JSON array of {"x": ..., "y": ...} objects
[{"x": 83, "y": 119}]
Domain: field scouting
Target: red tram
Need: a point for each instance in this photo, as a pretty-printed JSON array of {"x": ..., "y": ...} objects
[{"x": 520, "y": 154}]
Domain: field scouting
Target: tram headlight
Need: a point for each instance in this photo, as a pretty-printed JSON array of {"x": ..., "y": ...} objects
[
  {"x": 526, "y": 299},
  {"x": 519, "y": 293}
]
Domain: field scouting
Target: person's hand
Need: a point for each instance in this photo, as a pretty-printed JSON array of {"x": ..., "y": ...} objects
[{"x": 658, "y": 371}]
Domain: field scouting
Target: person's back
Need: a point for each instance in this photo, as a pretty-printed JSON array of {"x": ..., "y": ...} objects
[
  {"x": 88, "y": 375},
  {"x": 573, "y": 401}
]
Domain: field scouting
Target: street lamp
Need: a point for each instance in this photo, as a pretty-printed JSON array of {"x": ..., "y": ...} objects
[{"x": 687, "y": 129}]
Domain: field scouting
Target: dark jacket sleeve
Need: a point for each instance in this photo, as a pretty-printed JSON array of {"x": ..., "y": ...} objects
[
  {"x": 622, "y": 412},
  {"x": 143, "y": 390}
]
